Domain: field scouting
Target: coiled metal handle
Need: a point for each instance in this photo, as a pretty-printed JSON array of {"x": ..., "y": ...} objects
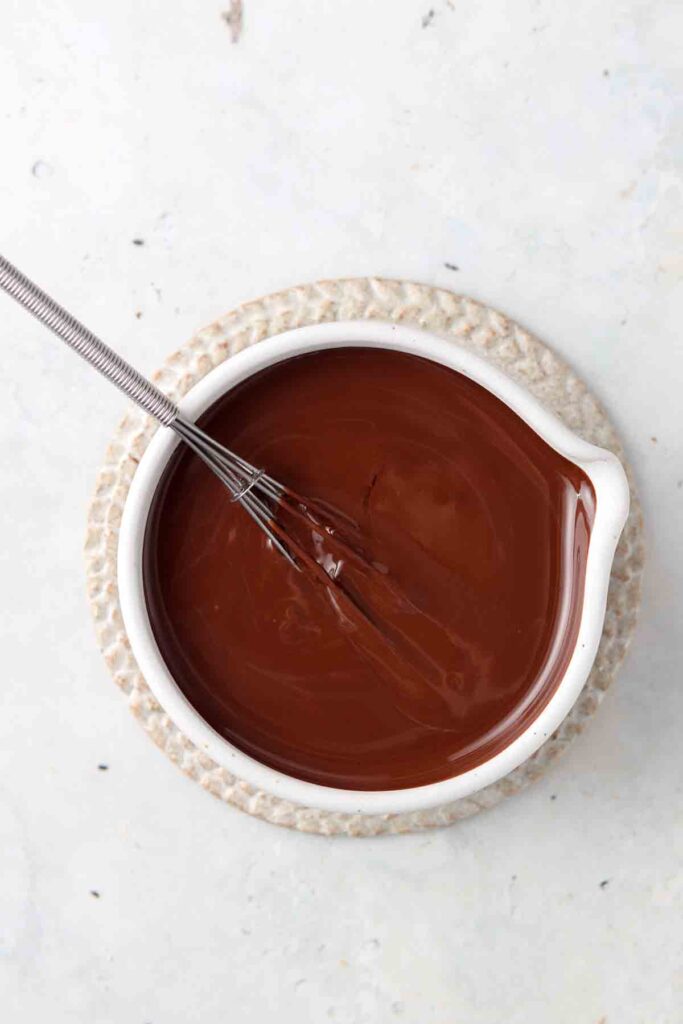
[{"x": 88, "y": 345}]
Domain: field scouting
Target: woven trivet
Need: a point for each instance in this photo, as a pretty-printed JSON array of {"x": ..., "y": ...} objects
[{"x": 468, "y": 323}]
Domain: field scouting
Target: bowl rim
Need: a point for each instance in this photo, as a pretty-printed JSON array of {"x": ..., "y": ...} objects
[{"x": 602, "y": 467}]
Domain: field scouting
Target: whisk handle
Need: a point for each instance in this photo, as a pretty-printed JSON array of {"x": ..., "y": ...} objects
[{"x": 88, "y": 345}]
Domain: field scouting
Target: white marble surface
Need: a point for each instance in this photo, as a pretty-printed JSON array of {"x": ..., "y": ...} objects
[{"x": 538, "y": 147}]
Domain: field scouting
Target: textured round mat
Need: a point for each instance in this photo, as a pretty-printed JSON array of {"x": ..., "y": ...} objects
[{"x": 468, "y": 323}]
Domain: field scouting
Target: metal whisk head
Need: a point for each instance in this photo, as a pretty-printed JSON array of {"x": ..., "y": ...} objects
[{"x": 251, "y": 487}]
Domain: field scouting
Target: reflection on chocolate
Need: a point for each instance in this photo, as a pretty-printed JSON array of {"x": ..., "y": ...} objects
[{"x": 428, "y": 654}]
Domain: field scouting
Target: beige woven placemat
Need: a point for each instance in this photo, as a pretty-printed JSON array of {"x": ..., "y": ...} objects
[{"x": 471, "y": 325}]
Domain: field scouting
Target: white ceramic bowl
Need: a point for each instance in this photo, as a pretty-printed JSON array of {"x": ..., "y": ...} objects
[{"x": 612, "y": 502}]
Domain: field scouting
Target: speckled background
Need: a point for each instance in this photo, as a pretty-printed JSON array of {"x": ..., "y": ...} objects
[{"x": 538, "y": 148}]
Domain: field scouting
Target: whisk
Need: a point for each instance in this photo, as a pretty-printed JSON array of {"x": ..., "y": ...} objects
[{"x": 256, "y": 491}]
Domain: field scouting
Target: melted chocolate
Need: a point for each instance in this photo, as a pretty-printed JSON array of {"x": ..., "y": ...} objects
[{"x": 459, "y": 542}]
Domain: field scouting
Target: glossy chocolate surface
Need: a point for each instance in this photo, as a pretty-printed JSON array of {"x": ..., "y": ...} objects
[{"x": 431, "y": 652}]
